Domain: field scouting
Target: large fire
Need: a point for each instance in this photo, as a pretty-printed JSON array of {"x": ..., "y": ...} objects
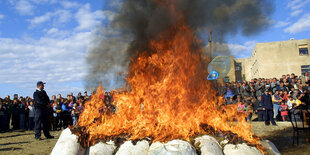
[{"x": 169, "y": 96}]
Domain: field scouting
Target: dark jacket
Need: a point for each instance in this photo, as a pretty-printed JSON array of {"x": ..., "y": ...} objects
[
  {"x": 259, "y": 89},
  {"x": 245, "y": 91},
  {"x": 41, "y": 100},
  {"x": 258, "y": 105},
  {"x": 279, "y": 88},
  {"x": 236, "y": 90},
  {"x": 15, "y": 108},
  {"x": 267, "y": 102},
  {"x": 22, "y": 109}
]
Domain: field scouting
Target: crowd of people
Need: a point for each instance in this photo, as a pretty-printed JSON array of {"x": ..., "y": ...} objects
[
  {"x": 19, "y": 113},
  {"x": 287, "y": 93}
]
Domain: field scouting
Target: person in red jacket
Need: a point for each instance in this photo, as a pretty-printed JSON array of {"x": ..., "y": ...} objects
[{"x": 284, "y": 111}]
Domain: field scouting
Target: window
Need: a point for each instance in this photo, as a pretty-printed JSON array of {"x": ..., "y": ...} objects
[
  {"x": 305, "y": 68},
  {"x": 238, "y": 66},
  {"x": 303, "y": 49}
]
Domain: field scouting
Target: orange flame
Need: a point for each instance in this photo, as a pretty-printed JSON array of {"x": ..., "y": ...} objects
[{"x": 170, "y": 97}]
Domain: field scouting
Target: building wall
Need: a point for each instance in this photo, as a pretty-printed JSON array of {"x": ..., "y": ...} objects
[
  {"x": 245, "y": 69},
  {"x": 274, "y": 59}
]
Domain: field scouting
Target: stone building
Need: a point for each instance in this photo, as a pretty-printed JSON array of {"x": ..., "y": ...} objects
[{"x": 273, "y": 59}]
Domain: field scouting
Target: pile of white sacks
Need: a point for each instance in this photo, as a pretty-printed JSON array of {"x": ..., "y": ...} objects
[{"x": 67, "y": 145}]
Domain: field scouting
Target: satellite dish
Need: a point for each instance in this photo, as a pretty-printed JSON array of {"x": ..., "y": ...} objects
[{"x": 221, "y": 65}]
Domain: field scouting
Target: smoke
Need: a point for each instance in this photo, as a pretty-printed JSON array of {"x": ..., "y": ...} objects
[
  {"x": 107, "y": 61},
  {"x": 139, "y": 21}
]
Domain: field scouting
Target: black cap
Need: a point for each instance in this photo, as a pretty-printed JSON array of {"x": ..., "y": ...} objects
[{"x": 40, "y": 83}]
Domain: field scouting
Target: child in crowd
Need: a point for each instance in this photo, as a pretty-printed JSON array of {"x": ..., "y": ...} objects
[
  {"x": 289, "y": 103},
  {"x": 71, "y": 103},
  {"x": 56, "y": 114},
  {"x": 284, "y": 111},
  {"x": 231, "y": 100},
  {"x": 239, "y": 100},
  {"x": 241, "y": 107},
  {"x": 285, "y": 96},
  {"x": 30, "y": 116},
  {"x": 281, "y": 94},
  {"x": 249, "y": 111},
  {"x": 75, "y": 113}
]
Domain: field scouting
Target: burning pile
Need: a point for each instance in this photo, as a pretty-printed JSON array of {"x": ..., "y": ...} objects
[{"x": 168, "y": 95}]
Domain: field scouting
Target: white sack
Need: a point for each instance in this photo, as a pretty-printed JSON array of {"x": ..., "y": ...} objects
[
  {"x": 208, "y": 145},
  {"x": 67, "y": 144},
  {"x": 241, "y": 149},
  {"x": 174, "y": 147},
  {"x": 102, "y": 149},
  {"x": 141, "y": 148}
]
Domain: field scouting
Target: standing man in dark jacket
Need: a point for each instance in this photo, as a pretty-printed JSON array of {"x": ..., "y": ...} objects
[
  {"x": 42, "y": 102},
  {"x": 268, "y": 108}
]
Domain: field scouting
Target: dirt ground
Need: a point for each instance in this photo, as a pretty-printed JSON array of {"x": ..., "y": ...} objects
[
  {"x": 282, "y": 137},
  {"x": 23, "y": 142}
]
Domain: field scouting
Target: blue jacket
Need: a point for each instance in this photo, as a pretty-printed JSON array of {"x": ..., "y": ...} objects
[
  {"x": 229, "y": 93},
  {"x": 267, "y": 102},
  {"x": 65, "y": 107}
]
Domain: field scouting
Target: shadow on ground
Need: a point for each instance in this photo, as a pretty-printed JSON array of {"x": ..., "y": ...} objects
[
  {"x": 10, "y": 149},
  {"x": 16, "y": 135},
  {"x": 284, "y": 142},
  {"x": 4, "y": 144}
]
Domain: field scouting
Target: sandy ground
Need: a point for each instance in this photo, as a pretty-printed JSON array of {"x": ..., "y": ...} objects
[{"x": 23, "y": 142}]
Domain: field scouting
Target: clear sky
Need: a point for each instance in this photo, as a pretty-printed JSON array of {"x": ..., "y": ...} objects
[{"x": 48, "y": 40}]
